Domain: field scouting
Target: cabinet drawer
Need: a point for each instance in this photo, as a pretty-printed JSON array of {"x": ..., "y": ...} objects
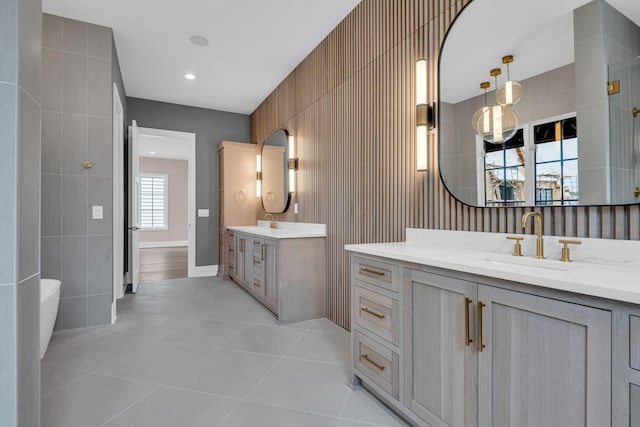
[
  {"x": 377, "y": 273},
  {"x": 377, "y": 313},
  {"x": 377, "y": 363},
  {"x": 634, "y": 341}
]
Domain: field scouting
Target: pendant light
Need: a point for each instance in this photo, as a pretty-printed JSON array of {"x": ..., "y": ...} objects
[
  {"x": 482, "y": 110},
  {"x": 498, "y": 124},
  {"x": 510, "y": 93}
]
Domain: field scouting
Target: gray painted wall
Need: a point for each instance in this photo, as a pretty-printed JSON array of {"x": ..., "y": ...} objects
[
  {"x": 20, "y": 58},
  {"x": 211, "y": 127},
  {"x": 77, "y": 126}
]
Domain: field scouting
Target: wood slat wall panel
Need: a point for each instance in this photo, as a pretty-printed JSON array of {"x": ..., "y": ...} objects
[{"x": 350, "y": 104}]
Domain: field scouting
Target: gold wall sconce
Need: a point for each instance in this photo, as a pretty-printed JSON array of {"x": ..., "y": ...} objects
[
  {"x": 258, "y": 176},
  {"x": 293, "y": 164},
  {"x": 425, "y": 116}
]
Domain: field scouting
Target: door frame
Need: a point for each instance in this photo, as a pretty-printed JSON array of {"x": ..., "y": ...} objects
[
  {"x": 189, "y": 139},
  {"x": 117, "y": 258}
]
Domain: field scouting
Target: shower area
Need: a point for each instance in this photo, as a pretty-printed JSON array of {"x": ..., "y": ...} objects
[{"x": 624, "y": 132}]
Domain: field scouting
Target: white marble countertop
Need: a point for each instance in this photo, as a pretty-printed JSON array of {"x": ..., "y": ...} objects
[
  {"x": 601, "y": 268},
  {"x": 284, "y": 230}
]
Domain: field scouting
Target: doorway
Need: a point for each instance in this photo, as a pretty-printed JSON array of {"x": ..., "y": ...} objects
[{"x": 162, "y": 211}]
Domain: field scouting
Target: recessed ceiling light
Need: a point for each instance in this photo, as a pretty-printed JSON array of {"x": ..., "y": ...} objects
[
  {"x": 153, "y": 152},
  {"x": 189, "y": 76},
  {"x": 199, "y": 40}
]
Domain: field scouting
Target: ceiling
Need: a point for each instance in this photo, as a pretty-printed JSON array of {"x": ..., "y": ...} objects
[
  {"x": 539, "y": 34},
  {"x": 253, "y": 44}
]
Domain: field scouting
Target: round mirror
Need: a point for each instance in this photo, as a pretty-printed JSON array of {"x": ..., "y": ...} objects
[
  {"x": 570, "y": 141},
  {"x": 275, "y": 183}
]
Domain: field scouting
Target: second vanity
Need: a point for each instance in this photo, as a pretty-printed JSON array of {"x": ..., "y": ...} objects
[
  {"x": 284, "y": 268},
  {"x": 450, "y": 329}
]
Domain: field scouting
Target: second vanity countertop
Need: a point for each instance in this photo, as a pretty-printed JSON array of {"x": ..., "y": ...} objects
[
  {"x": 601, "y": 268},
  {"x": 285, "y": 230}
]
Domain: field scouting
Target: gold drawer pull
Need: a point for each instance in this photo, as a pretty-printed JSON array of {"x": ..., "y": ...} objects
[
  {"x": 366, "y": 270},
  {"x": 373, "y": 362},
  {"x": 373, "y": 313}
]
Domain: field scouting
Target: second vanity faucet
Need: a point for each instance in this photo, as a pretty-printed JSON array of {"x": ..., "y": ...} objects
[
  {"x": 273, "y": 223},
  {"x": 539, "y": 241}
]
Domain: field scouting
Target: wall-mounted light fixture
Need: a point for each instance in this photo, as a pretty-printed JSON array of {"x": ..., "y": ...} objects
[
  {"x": 424, "y": 116},
  {"x": 258, "y": 176},
  {"x": 293, "y": 164}
]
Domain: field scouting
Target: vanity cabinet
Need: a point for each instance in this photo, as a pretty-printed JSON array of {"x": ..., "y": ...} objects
[
  {"x": 477, "y": 354},
  {"x": 546, "y": 362},
  {"x": 634, "y": 405},
  {"x": 286, "y": 275},
  {"x": 440, "y": 357}
]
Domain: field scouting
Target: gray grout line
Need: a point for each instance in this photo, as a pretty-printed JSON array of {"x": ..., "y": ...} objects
[{"x": 131, "y": 405}]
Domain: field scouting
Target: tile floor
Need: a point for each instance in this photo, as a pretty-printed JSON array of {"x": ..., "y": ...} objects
[{"x": 202, "y": 352}]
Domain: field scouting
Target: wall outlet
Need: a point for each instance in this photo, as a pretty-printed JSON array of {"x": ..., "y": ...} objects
[
  {"x": 96, "y": 212},
  {"x": 295, "y": 208},
  {"x": 203, "y": 213}
]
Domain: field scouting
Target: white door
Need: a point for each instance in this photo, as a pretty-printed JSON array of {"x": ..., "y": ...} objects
[{"x": 134, "y": 202}]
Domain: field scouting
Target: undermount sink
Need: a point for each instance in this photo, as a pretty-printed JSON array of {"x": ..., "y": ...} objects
[{"x": 506, "y": 261}]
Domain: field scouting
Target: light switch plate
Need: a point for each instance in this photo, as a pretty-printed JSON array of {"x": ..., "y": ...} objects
[
  {"x": 295, "y": 208},
  {"x": 203, "y": 213},
  {"x": 96, "y": 212}
]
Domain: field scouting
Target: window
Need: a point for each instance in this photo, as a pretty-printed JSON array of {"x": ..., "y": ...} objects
[
  {"x": 556, "y": 163},
  {"x": 504, "y": 169},
  {"x": 153, "y": 202},
  {"x": 537, "y": 166}
]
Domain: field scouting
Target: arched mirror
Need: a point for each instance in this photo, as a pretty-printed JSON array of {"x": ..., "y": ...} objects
[
  {"x": 576, "y": 135},
  {"x": 275, "y": 183}
]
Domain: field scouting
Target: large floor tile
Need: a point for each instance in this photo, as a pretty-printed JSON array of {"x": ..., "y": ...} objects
[
  {"x": 52, "y": 377},
  {"x": 170, "y": 407},
  {"x": 362, "y": 406},
  {"x": 225, "y": 372},
  {"x": 265, "y": 339},
  {"x": 205, "y": 332},
  {"x": 307, "y": 386},
  {"x": 90, "y": 401},
  {"x": 156, "y": 363},
  {"x": 350, "y": 423},
  {"x": 326, "y": 325},
  {"x": 248, "y": 313},
  {"x": 256, "y": 415},
  {"x": 63, "y": 340},
  {"x": 100, "y": 352},
  {"x": 330, "y": 347}
]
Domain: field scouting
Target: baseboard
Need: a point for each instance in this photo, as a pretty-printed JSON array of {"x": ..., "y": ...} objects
[
  {"x": 164, "y": 244},
  {"x": 203, "y": 271}
]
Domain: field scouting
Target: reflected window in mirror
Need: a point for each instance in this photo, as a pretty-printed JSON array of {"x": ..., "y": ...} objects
[
  {"x": 556, "y": 148},
  {"x": 546, "y": 150},
  {"x": 504, "y": 171}
]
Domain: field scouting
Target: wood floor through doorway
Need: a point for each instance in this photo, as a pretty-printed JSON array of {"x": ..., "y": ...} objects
[{"x": 163, "y": 263}]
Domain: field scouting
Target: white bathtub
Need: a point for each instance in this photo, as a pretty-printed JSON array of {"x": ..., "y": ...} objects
[{"x": 49, "y": 300}]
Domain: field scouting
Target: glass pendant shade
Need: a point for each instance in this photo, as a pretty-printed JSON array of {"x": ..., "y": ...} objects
[
  {"x": 497, "y": 124},
  {"x": 476, "y": 116},
  {"x": 510, "y": 93}
]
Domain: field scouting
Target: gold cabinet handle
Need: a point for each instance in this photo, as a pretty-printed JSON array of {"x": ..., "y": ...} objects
[
  {"x": 373, "y": 362},
  {"x": 373, "y": 313},
  {"x": 262, "y": 252},
  {"x": 467, "y": 304},
  {"x": 366, "y": 270},
  {"x": 480, "y": 341}
]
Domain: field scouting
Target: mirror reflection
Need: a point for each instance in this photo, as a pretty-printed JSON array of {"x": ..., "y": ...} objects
[
  {"x": 555, "y": 132},
  {"x": 275, "y": 185}
]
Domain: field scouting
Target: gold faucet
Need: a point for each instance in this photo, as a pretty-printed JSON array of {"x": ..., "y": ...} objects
[
  {"x": 273, "y": 223},
  {"x": 539, "y": 241}
]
